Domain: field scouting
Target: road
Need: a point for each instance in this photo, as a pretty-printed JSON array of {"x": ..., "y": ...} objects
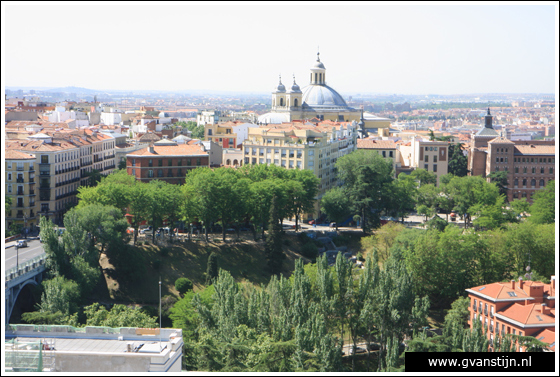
[{"x": 34, "y": 249}]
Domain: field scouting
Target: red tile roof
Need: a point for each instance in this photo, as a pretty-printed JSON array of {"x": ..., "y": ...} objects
[
  {"x": 171, "y": 150},
  {"x": 547, "y": 336},
  {"x": 527, "y": 314},
  {"x": 535, "y": 149},
  {"x": 16, "y": 155},
  {"x": 376, "y": 144}
]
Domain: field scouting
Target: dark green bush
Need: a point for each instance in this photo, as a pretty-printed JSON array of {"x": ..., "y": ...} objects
[
  {"x": 183, "y": 285},
  {"x": 309, "y": 250}
]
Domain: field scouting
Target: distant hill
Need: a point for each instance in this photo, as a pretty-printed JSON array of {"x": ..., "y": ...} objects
[{"x": 74, "y": 89}]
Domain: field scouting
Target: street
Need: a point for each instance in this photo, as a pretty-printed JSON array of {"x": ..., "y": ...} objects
[{"x": 34, "y": 249}]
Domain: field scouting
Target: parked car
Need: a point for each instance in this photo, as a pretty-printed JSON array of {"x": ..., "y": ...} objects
[
  {"x": 374, "y": 347},
  {"x": 312, "y": 222},
  {"x": 21, "y": 243},
  {"x": 147, "y": 230},
  {"x": 358, "y": 350}
]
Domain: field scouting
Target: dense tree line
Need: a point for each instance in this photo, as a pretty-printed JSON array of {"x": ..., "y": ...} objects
[{"x": 298, "y": 324}]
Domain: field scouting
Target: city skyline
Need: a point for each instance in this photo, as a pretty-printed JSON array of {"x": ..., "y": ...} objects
[{"x": 243, "y": 47}]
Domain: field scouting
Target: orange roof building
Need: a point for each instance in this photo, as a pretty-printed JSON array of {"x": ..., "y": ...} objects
[{"x": 525, "y": 308}]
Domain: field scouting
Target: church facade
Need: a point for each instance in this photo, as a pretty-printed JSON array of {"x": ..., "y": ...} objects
[{"x": 317, "y": 100}]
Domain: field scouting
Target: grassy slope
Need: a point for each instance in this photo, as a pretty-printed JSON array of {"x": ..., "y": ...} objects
[{"x": 244, "y": 260}]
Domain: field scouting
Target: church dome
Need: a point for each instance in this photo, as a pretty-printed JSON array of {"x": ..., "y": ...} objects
[
  {"x": 322, "y": 96},
  {"x": 280, "y": 88},
  {"x": 295, "y": 87}
]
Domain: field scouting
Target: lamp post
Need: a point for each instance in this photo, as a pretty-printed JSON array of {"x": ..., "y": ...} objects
[
  {"x": 17, "y": 258},
  {"x": 160, "y": 314},
  {"x": 25, "y": 223}
]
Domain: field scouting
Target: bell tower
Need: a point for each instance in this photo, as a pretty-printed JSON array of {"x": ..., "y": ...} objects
[
  {"x": 318, "y": 73},
  {"x": 279, "y": 96}
]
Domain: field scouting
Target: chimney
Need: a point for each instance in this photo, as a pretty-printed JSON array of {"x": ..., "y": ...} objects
[
  {"x": 544, "y": 309},
  {"x": 513, "y": 284},
  {"x": 552, "y": 281},
  {"x": 520, "y": 283}
]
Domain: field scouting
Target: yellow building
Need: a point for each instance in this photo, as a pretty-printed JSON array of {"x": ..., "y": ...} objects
[
  {"x": 303, "y": 146},
  {"x": 317, "y": 100},
  {"x": 20, "y": 187}
]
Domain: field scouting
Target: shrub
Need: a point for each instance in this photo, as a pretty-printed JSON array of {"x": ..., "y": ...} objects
[
  {"x": 309, "y": 250},
  {"x": 303, "y": 238},
  {"x": 183, "y": 285}
]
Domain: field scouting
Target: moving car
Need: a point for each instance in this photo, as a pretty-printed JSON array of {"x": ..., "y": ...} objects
[
  {"x": 21, "y": 243},
  {"x": 358, "y": 350}
]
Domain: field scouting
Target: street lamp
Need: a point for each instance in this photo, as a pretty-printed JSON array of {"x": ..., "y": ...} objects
[
  {"x": 160, "y": 314},
  {"x": 25, "y": 223},
  {"x": 17, "y": 258}
]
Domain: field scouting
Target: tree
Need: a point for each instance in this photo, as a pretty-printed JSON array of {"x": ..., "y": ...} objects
[
  {"x": 212, "y": 268},
  {"x": 183, "y": 285},
  {"x": 59, "y": 295},
  {"x": 273, "y": 245},
  {"x": 500, "y": 178},
  {"x": 367, "y": 179},
  {"x": 424, "y": 177},
  {"x": 456, "y": 322},
  {"x": 458, "y": 162},
  {"x": 542, "y": 210},
  {"x": 119, "y": 316},
  {"x": 58, "y": 260},
  {"x": 336, "y": 205},
  {"x": 404, "y": 194},
  {"x": 94, "y": 177},
  {"x": 8, "y": 206},
  {"x": 493, "y": 216},
  {"x": 302, "y": 196},
  {"x": 161, "y": 204},
  {"x": 428, "y": 200}
]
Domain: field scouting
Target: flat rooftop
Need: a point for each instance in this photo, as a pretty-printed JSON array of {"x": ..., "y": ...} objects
[{"x": 84, "y": 345}]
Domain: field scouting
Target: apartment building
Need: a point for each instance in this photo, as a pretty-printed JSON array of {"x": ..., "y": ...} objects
[
  {"x": 525, "y": 308},
  {"x": 211, "y": 117},
  {"x": 302, "y": 146},
  {"x": 386, "y": 148},
  {"x": 426, "y": 154},
  {"x": 169, "y": 163},
  {"x": 228, "y": 134},
  {"x": 59, "y": 163},
  {"x": 529, "y": 166},
  {"x": 20, "y": 187}
]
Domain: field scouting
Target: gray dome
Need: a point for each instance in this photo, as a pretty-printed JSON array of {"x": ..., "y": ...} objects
[
  {"x": 280, "y": 88},
  {"x": 295, "y": 87},
  {"x": 322, "y": 96},
  {"x": 318, "y": 65}
]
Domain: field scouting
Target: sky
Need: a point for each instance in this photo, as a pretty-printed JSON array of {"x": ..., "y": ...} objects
[{"x": 403, "y": 48}]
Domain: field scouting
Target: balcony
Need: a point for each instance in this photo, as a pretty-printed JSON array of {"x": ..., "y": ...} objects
[
  {"x": 20, "y": 192},
  {"x": 31, "y": 168},
  {"x": 19, "y": 180},
  {"x": 19, "y": 168},
  {"x": 31, "y": 192},
  {"x": 20, "y": 205},
  {"x": 32, "y": 180}
]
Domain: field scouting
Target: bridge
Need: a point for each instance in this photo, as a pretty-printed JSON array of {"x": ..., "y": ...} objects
[{"x": 29, "y": 271}]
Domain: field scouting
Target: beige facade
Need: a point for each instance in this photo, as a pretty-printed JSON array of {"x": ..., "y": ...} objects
[
  {"x": 21, "y": 188},
  {"x": 424, "y": 154},
  {"x": 315, "y": 148}
]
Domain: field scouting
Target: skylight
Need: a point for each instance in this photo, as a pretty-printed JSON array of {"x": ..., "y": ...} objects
[
  {"x": 512, "y": 294},
  {"x": 481, "y": 289},
  {"x": 552, "y": 344},
  {"x": 541, "y": 338},
  {"x": 539, "y": 318}
]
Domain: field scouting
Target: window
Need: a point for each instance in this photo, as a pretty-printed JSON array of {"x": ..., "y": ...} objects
[
  {"x": 541, "y": 183},
  {"x": 9, "y": 176},
  {"x": 435, "y": 167},
  {"x": 134, "y": 172},
  {"x": 533, "y": 170},
  {"x": 517, "y": 169},
  {"x": 435, "y": 158},
  {"x": 291, "y": 164},
  {"x": 291, "y": 153},
  {"x": 298, "y": 153},
  {"x": 311, "y": 163},
  {"x": 524, "y": 169},
  {"x": 506, "y": 159},
  {"x": 179, "y": 162},
  {"x": 390, "y": 153},
  {"x": 311, "y": 152},
  {"x": 209, "y": 132},
  {"x": 497, "y": 168},
  {"x": 160, "y": 162},
  {"x": 515, "y": 182},
  {"x": 169, "y": 162},
  {"x": 150, "y": 174},
  {"x": 532, "y": 159},
  {"x": 426, "y": 149},
  {"x": 426, "y": 166},
  {"x": 283, "y": 153},
  {"x": 426, "y": 158},
  {"x": 198, "y": 161},
  {"x": 497, "y": 159},
  {"x": 133, "y": 162},
  {"x": 550, "y": 170},
  {"x": 515, "y": 195},
  {"x": 299, "y": 164},
  {"x": 384, "y": 154},
  {"x": 283, "y": 163},
  {"x": 9, "y": 188},
  {"x": 160, "y": 173},
  {"x": 524, "y": 182},
  {"x": 44, "y": 159},
  {"x": 533, "y": 183},
  {"x": 150, "y": 163}
]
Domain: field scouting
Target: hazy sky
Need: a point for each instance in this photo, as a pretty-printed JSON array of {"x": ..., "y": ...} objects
[{"x": 406, "y": 48}]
